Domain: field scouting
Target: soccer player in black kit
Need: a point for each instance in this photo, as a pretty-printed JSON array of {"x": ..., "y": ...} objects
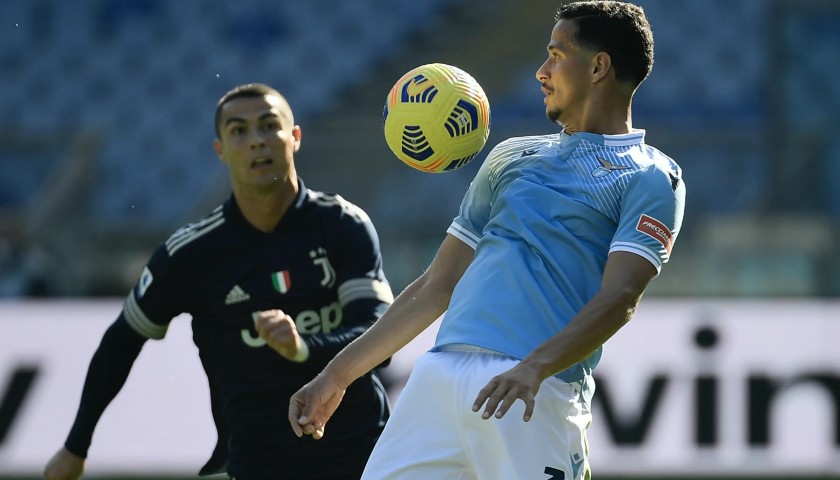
[{"x": 277, "y": 279}]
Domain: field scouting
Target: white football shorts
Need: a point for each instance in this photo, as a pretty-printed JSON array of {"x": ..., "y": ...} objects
[{"x": 434, "y": 434}]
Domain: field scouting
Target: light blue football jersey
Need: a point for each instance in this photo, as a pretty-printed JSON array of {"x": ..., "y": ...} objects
[{"x": 543, "y": 213}]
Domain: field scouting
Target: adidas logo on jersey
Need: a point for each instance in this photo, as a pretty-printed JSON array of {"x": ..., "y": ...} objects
[{"x": 236, "y": 295}]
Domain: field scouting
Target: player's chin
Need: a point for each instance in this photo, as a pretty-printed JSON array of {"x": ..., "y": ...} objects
[
  {"x": 266, "y": 180},
  {"x": 553, "y": 115}
]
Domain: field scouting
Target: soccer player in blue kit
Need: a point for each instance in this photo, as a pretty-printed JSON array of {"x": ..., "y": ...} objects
[
  {"x": 277, "y": 280},
  {"x": 554, "y": 245}
]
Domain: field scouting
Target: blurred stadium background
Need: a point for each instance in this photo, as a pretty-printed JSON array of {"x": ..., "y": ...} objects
[{"x": 107, "y": 108}]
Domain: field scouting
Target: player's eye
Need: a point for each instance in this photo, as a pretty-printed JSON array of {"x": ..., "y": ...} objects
[{"x": 271, "y": 126}]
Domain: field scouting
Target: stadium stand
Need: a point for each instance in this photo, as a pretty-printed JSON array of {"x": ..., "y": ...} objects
[{"x": 747, "y": 115}]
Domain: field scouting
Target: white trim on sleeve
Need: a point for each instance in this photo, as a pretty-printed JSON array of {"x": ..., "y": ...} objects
[
  {"x": 463, "y": 235},
  {"x": 640, "y": 250},
  {"x": 364, "y": 288},
  {"x": 140, "y": 322}
]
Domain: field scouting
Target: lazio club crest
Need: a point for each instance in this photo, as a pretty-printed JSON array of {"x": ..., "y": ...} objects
[{"x": 281, "y": 281}]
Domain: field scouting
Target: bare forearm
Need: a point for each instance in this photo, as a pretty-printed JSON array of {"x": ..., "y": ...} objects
[
  {"x": 599, "y": 320},
  {"x": 420, "y": 304},
  {"x": 413, "y": 311},
  {"x": 626, "y": 275},
  {"x": 357, "y": 318}
]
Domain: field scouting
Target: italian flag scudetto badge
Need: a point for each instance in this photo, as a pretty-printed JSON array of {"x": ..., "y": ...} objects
[{"x": 281, "y": 281}]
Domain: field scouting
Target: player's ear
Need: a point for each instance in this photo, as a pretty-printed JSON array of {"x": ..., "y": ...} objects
[
  {"x": 601, "y": 63},
  {"x": 296, "y": 133},
  {"x": 217, "y": 147}
]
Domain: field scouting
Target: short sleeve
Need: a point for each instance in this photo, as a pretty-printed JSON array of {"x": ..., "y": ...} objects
[
  {"x": 474, "y": 212},
  {"x": 651, "y": 214}
]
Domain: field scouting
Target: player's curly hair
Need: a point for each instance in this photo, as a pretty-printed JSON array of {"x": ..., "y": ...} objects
[
  {"x": 248, "y": 90},
  {"x": 620, "y": 29}
]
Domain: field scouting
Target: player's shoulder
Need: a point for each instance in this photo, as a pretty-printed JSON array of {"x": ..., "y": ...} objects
[
  {"x": 659, "y": 159},
  {"x": 656, "y": 166},
  {"x": 521, "y": 149},
  {"x": 627, "y": 150},
  {"x": 515, "y": 147},
  {"x": 196, "y": 232},
  {"x": 330, "y": 204}
]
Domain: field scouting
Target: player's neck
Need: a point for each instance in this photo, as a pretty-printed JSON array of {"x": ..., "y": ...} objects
[
  {"x": 264, "y": 208},
  {"x": 604, "y": 115},
  {"x": 600, "y": 127}
]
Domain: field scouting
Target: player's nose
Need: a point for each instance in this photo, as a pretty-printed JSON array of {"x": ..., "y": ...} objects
[
  {"x": 256, "y": 140},
  {"x": 542, "y": 72}
]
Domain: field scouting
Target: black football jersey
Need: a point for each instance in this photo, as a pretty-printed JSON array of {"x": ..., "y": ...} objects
[{"x": 321, "y": 266}]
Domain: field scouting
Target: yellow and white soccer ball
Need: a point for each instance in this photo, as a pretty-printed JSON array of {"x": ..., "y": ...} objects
[{"x": 436, "y": 118}]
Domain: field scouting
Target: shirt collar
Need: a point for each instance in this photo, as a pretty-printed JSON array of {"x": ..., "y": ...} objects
[
  {"x": 232, "y": 211},
  {"x": 635, "y": 137}
]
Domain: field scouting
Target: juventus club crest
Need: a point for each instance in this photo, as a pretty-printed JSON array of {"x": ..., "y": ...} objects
[{"x": 320, "y": 259}]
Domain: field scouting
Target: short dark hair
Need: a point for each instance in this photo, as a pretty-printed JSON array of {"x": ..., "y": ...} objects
[
  {"x": 248, "y": 90},
  {"x": 618, "y": 28}
]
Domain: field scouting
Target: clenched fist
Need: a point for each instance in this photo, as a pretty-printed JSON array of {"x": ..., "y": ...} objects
[{"x": 280, "y": 332}]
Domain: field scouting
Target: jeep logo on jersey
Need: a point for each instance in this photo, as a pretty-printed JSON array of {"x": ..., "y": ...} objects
[
  {"x": 281, "y": 281},
  {"x": 324, "y": 320}
]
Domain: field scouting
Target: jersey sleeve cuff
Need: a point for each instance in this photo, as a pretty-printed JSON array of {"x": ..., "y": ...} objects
[
  {"x": 302, "y": 354},
  {"x": 643, "y": 252},
  {"x": 463, "y": 235}
]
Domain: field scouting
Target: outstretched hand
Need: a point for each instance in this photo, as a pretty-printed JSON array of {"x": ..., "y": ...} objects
[
  {"x": 520, "y": 382},
  {"x": 64, "y": 465},
  {"x": 313, "y": 405}
]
